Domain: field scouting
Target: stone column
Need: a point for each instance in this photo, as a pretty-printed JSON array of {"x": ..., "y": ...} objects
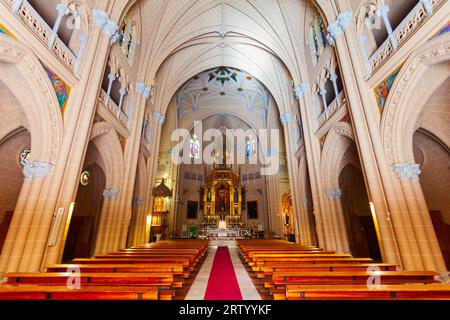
[
  {"x": 303, "y": 94},
  {"x": 15, "y": 253},
  {"x": 408, "y": 174},
  {"x": 400, "y": 246},
  {"x": 286, "y": 121},
  {"x": 80, "y": 53},
  {"x": 111, "y": 79},
  {"x": 156, "y": 124},
  {"x": 131, "y": 162},
  {"x": 363, "y": 47},
  {"x": 323, "y": 94},
  {"x": 122, "y": 92},
  {"x": 338, "y": 219},
  {"x": 78, "y": 121},
  {"x": 62, "y": 11},
  {"x": 106, "y": 220},
  {"x": 333, "y": 79},
  {"x": 16, "y": 5},
  {"x": 383, "y": 13}
]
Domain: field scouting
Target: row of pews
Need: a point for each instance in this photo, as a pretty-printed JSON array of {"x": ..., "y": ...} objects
[
  {"x": 285, "y": 271},
  {"x": 158, "y": 271}
]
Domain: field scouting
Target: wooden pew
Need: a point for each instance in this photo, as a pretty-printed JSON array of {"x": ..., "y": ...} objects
[
  {"x": 362, "y": 292},
  {"x": 38, "y": 292},
  {"x": 61, "y": 278}
]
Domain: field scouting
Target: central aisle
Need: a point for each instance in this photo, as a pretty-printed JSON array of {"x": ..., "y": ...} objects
[
  {"x": 223, "y": 276},
  {"x": 222, "y": 282}
]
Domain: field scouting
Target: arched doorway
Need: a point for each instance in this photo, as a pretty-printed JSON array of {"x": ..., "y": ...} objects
[
  {"x": 434, "y": 159},
  {"x": 85, "y": 219},
  {"x": 15, "y": 152},
  {"x": 362, "y": 235}
]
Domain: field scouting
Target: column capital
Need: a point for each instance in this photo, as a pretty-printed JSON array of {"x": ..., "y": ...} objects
[
  {"x": 407, "y": 171},
  {"x": 427, "y": 5},
  {"x": 286, "y": 118},
  {"x": 322, "y": 91},
  {"x": 301, "y": 89},
  {"x": 138, "y": 202},
  {"x": 111, "y": 193},
  {"x": 123, "y": 91},
  {"x": 144, "y": 90},
  {"x": 100, "y": 17},
  {"x": 112, "y": 76},
  {"x": 383, "y": 11},
  {"x": 62, "y": 9},
  {"x": 37, "y": 170},
  {"x": 334, "y": 193},
  {"x": 101, "y": 20},
  {"x": 159, "y": 118},
  {"x": 334, "y": 77},
  {"x": 337, "y": 28}
]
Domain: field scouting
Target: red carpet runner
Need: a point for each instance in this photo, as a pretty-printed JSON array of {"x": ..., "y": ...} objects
[{"x": 222, "y": 282}]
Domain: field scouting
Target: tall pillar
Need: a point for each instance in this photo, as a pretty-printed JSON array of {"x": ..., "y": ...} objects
[
  {"x": 408, "y": 174},
  {"x": 303, "y": 94},
  {"x": 106, "y": 219},
  {"x": 143, "y": 92},
  {"x": 400, "y": 246},
  {"x": 15, "y": 252},
  {"x": 122, "y": 92},
  {"x": 338, "y": 219},
  {"x": 78, "y": 121}
]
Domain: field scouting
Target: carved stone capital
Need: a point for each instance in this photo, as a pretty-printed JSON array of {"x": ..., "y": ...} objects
[
  {"x": 407, "y": 171},
  {"x": 111, "y": 193},
  {"x": 159, "y": 118},
  {"x": 144, "y": 90},
  {"x": 334, "y": 193},
  {"x": 286, "y": 118},
  {"x": 138, "y": 202},
  {"x": 37, "y": 170},
  {"x": 301, "y": 90}
]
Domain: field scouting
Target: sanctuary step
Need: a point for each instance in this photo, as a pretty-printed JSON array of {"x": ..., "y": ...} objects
[{"x": 282, "y": 270}]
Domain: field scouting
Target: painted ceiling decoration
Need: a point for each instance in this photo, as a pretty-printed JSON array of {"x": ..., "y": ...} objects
[{"x": 224, "y": 82}]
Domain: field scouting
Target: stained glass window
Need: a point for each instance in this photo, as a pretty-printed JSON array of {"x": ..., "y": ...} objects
[
  {"x": 25, "y": 156},
  {"x": 250, "y": 147},
  {"x": 127, "y": 38},
  {"x": 194, "y": 148},
  {"x": 318, "y": 36}
]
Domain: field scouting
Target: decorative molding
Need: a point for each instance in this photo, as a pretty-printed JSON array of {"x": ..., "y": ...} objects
[
  {"x": 37, "y": 170},
  {"x": 108, "y": 26},
  {"x": 144, "y": 90},
  {"x": 159, "y": 118},
  {"x": 412, "y": 71},
  {"x": 407, "y": 171},
  {"x": 138, "y": 202},
  {"x": 334, "y": 193},
  {"x": 337, "y": 28},
  {"x": 286, "y": 118},
  {"x": 111, "y": 193},
  {"x": 301, "y": 90}
]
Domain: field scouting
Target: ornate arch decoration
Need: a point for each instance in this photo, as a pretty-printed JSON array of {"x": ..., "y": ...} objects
[
  {"x": 107, "y": 142},
  {"x": 43, "y": 118},
  {"x": 438, "y": 127},
  {"x": 401, "y": 112},
  {"x": 332, "y": 154}
]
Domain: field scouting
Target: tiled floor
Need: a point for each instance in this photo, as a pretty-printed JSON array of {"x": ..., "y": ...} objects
[{"x": 198, "y": 289}]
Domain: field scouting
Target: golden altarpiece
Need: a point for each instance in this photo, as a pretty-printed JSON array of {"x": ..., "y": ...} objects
[{"x": 222, "y": 197}]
